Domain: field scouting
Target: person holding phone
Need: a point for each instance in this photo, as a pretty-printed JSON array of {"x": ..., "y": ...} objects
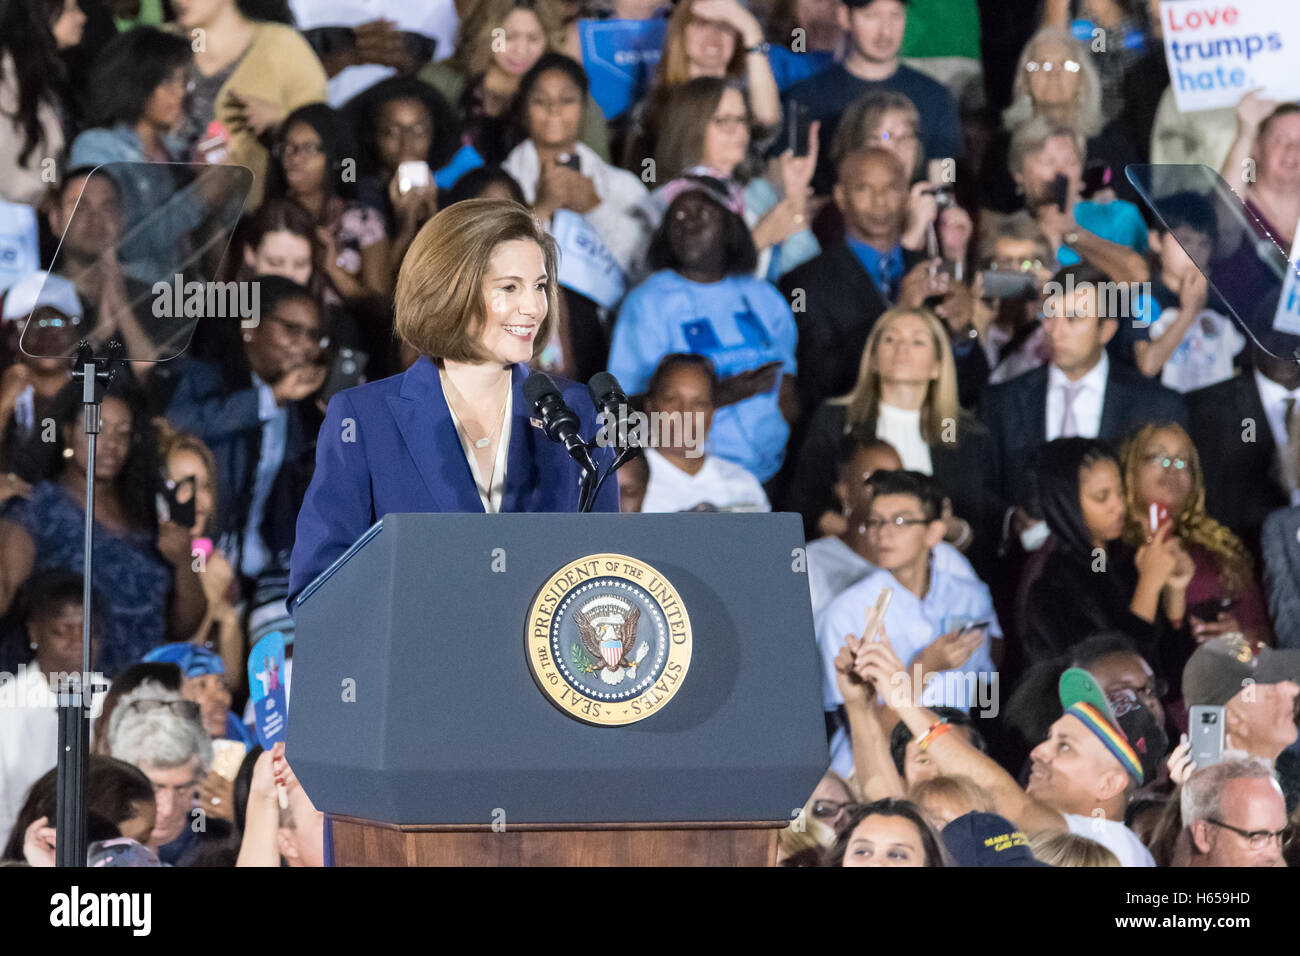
[
  {"x": 1162, "y": 471},
  {"x": 255, "y": 417},
  {"x": 1092, "y": 580},
  {"x": 942, "y": 624},
  {"x": 703, "y": 298}
]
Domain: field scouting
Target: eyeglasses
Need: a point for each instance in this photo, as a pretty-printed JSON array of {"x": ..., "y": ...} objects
[
  {"x": 290, "y": 150},
  {"x": 1259, "y": 839},
  {"x": 1047, "y": 66},
  {"x": 730, "y": 124},
  {"x": 1165, "y": 462},
  {"x": 1019, "y": 265},
  {"x": 828, "y": 809},
  {"x": 879, "y": 524},
  {"x": 885, "y": 136},
  {"x": 301, "y": 333},
  {"x": 184, "y": 708}
]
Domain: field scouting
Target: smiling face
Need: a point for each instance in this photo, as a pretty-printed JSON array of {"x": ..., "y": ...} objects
[
  {"x": 554, "y": 110},
  {"x": 1072, "y": 771},
  {"x": 515, "y": 301},
  {"x": 403, "y": 132},
  {"x": 525, "y": 42},
  {"x": 710, "y": 45},
  {"x": 881, "y": 840},
  {"x": 212, "y": 695},
  {"x": 1101, "y": 497},
  {"x": 1279, "y": 153},
  {"x": 726, "y": 139}
]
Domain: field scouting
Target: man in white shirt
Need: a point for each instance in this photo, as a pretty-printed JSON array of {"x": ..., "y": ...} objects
[
  {"x": 938, "y": 622},
  {"x": 1080, "y": 393},
  {"x": 1083, "y": 775},
  {"x": 680, "y": 400}
]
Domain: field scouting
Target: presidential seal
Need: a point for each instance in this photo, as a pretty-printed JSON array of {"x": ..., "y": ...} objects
[{"x": 608, "y": 640}]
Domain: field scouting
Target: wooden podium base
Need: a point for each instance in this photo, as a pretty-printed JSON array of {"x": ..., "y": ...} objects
[{"x": 367, "y": 843}]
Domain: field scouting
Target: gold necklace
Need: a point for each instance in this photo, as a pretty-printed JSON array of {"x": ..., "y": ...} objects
[{"x": 481, "y": 442}]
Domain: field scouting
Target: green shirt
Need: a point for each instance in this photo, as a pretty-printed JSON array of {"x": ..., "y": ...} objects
[{"x": 942, "y": 28}]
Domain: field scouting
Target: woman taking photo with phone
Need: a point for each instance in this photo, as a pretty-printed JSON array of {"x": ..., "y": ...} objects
[{"x": 475, "y": 300}]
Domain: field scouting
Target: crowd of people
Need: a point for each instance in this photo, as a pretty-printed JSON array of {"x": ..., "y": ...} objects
[{"x": 863, "y": 246}]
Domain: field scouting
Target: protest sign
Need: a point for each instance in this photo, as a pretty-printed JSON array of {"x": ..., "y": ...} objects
[
  {"x": 1219, "y": 50},
  {"x": 620, "y": 56}
]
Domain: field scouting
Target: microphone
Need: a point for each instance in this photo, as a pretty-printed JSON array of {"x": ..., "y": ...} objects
[
  {"x": 559, "y": 421},
  {"x": 610, "y": 399}
]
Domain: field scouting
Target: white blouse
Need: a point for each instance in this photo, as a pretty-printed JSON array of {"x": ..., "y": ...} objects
[
  {"x": 902, "y": 429},
  {"x": 490, "y": 490}
]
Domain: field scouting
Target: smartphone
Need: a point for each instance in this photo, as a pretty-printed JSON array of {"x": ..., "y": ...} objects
[
  {"x": 797, "y": 124},
  {"x": 878, "y": 615},
  {"x": 1009, "y": 284},
  {"x": 976, "y": 626},
  {"x": 171, "y": 507},
  {"x": 1205, "y": 727},
  {"x": 1061, "y": 191},
  {"x": 1157, "y": 514},
  {"x": 345, "y": 372},
  {"x": 571, "y": 160},
  {"x": 413, "y": 174}
]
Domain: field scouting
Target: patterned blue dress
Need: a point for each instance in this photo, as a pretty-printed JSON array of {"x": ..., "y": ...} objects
[{"x": 131, "y": 579}]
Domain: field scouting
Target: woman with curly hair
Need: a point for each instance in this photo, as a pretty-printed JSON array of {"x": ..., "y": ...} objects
[
  {"x": 141, "y": 565},
  {"x": 1162, "y": 469}
]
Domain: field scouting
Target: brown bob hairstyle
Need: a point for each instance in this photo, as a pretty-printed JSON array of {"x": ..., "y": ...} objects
[{"x": 440, "y": 299}]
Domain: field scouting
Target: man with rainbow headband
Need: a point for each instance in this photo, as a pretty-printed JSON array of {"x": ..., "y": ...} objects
[{"x": 1082, "y": 775}]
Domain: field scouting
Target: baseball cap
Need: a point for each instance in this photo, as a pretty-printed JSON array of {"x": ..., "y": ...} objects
[
  {"x": 986, "y": 839},
  {"x": 1220, "y": 667},
  {"x": 1133, "y": 737},
  {"x": 724, "y": 192},
  {"x": 38, "y": 289},
  {"x": 193, "y": 660}
]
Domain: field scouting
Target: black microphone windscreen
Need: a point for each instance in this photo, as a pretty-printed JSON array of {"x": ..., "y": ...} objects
[
  {"x": 604, "y": 386},
  {"x": 538, "y": 387}
]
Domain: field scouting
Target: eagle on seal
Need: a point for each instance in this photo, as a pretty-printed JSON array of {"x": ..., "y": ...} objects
[{"x": 611, "y": 645}]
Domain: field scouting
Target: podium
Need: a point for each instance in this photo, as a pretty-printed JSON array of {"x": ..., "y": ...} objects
[{"x": 450, "y": 705}]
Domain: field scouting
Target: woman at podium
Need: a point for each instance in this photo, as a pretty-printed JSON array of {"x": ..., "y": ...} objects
[{"x": 475, "y": 297}]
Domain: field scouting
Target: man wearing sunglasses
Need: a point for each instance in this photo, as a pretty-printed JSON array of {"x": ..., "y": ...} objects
[{"x": 1235, "y": 815}]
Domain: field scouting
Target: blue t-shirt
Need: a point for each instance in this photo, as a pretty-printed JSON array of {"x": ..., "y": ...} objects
[
  {"x": 1118, "y": 221},
  {"x": 828, "y": 94},
  {"x": 740, "y": 323},
  {"x": 790, "y": 68}
]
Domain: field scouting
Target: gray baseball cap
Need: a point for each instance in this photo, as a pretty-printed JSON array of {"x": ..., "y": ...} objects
[{"x": 1221, "y": 667}]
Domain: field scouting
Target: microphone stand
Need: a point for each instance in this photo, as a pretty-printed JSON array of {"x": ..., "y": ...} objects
[{"x": 75, "y": 692}]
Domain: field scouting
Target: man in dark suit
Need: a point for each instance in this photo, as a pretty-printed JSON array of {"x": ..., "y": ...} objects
[
  {"x": 1240, "y": 428},
  {"x": 838, "y": 296},
  {"x": 1079, "y": 393},
  {"x": 251, "y": 413}
]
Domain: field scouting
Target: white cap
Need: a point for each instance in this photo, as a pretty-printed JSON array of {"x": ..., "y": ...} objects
[{"x": 37, "y": 289}]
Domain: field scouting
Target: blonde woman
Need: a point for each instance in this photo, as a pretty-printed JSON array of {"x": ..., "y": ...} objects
[
  {"x": 718, "y": 38},
  {"x": 906, "y": 394}
]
